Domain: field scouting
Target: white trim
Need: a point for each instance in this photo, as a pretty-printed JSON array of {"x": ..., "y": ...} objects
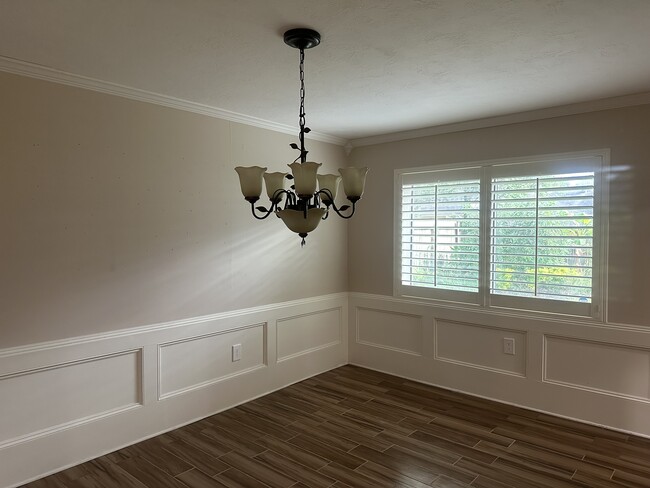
[
  {"x": 66, "y": 364},
  {"x": 73, "y": 341},
  {"x": 23, "y": 68},
  {"x": 499, "y": 312},
  {"x": 534, "y": 158},
  {"x": 515, "y": 118}
]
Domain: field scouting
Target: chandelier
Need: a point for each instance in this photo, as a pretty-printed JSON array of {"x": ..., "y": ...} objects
[{"x": 302, "y": 206}]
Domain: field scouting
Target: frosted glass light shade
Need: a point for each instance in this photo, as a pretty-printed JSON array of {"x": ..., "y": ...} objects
[
  {"x": 250, "y": 180},
  {"x": 354, "y": 181},
  {"x": 328, "y": 182},
  {"x": 304, "y": 178},
  {"x": 274, "y": 182},
  {"x": 296, "y": 222}
]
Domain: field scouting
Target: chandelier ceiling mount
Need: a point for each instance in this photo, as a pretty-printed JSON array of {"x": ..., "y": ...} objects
[{"x": 302, "y": 38}]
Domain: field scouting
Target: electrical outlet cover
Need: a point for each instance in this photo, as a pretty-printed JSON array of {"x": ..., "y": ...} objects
[{"x": 236, "y": 352}]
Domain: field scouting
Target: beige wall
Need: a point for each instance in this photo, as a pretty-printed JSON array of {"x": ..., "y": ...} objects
[
  {"x": 116, "y": 213},
  {"x": 624, "y": 131}
]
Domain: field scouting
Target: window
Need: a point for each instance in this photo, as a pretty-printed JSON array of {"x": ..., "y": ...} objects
[{"x": 518, "y": 234}]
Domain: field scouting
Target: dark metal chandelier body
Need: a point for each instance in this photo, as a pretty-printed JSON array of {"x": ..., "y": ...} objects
[{"x": 304, "y": 205}]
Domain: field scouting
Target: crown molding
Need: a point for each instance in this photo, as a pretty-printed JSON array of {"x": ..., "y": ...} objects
[
  {"x": 515, "y": 118},
  {"x": 32, "y": 70},
  {"x": 24, "y": 68}
]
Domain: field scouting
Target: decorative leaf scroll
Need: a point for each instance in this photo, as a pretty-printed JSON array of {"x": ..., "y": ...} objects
[
  {"x": 293, "y": 145},
  {"x": 289, "y": 177},
  {"x": 261, "y": 209},
  {"x": 344, "y": 208},
  {"x": 307, "y": 130}
]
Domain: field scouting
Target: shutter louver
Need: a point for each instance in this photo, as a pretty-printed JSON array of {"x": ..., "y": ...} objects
[{"x": 440, "y": 235}]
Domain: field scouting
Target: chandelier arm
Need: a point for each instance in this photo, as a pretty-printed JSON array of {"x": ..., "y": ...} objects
[
  {"x": 262, "y": 215},
  {"x": 344, "y": 216},
  {"x": 326, "y": 192},
  {"x": 277, "y": 195},
  {"x": 333, "y": 206},
  {"x": 275, "y": 204}
]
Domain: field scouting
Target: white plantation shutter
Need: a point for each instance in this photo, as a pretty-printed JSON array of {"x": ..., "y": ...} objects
[
  {"x": 521, "y": 234},
  {"x": 440, "y": 242}
]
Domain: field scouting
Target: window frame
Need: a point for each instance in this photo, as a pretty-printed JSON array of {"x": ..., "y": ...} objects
[{"x": 590, "y": 160}]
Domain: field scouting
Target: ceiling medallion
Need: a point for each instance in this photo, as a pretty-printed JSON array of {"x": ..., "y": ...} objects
[{"x": 304, "y": 206}]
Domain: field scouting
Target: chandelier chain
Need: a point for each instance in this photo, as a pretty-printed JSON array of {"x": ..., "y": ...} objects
[{"x": 301, "y": 115}]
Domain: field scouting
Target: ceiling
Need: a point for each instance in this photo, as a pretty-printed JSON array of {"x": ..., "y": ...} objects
[{"x": 383, "y": 66}]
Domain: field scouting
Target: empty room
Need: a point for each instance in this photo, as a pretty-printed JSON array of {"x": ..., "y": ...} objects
[{"x": 298, "y": 243}]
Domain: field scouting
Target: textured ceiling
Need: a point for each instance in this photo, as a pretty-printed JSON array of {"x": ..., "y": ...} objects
[{"x": 383, "y": 65}]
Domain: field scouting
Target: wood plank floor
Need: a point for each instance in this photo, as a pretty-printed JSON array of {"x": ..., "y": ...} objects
[{"x": 352, "y": 427}]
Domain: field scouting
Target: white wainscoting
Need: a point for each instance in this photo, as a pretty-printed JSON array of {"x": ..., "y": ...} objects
[
  {"x": 596, "y": 373},
  {"x": 64, "y": 402}
]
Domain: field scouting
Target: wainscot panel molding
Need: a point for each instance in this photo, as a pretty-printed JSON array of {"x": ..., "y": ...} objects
[
  {"x": 391, "y": 330},
  {"x": 595, "y": 373},
  {"x": 69, "y": 401},
  {"x": 54, "y": 398},
  {"x": 613, "y": 369},
  {"x": 197, "y": 362},
  {"x": 474, "y": 345},
  {"x": 306, "y": 333}
]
